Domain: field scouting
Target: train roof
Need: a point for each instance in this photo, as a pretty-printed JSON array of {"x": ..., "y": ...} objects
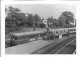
[
  {"x": 36, "y": 32},
  {"x": 26, "y": 33}
]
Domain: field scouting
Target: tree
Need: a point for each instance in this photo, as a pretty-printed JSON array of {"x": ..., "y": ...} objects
[
  {"x": 62, "y": 21},
  {"x": 36, "y": 17},
  {"x": 13, "y": 10},
  {"x": 53, "y": 21},
  {"x": 65, "y": 18},
  {"x": 36, "y": 20},
  {"x": 14, "y": 19},
  {"x": 50, "y": 20},
  {"x": 30, "y": 20},
  {"x": 69, "y": 16}
]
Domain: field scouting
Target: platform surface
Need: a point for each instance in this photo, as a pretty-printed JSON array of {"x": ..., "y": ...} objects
[{"x": 28, "y": 47}]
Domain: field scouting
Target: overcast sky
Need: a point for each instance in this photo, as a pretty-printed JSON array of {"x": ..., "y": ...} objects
[{"x": 45, "y": 10}]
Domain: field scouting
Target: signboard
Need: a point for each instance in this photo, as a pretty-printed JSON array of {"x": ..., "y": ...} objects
[{"x": 45, "y": 21}]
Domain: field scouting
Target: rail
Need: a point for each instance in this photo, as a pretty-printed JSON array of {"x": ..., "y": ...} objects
[{"x": 51, "y": 49}]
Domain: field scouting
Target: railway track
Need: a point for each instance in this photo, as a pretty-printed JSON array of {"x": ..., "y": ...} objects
[
  {"x": 50, "y": 49},
  {"x": 67, "y": 49}
]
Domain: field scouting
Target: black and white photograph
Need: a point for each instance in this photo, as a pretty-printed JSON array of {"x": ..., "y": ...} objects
[{"x": 40, "y": 29}]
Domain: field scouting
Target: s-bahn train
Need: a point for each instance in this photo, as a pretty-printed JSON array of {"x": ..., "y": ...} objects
[{"x": 24, "y": 37}]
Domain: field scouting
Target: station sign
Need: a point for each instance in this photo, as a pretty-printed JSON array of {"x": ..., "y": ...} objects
[{"x": 45, "y": 21}]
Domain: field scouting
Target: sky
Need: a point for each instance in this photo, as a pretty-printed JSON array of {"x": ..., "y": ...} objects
[{"x": 45, "y": 10}]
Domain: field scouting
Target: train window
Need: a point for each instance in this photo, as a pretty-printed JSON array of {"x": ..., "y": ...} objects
[
  {"x": 60, "y": 31},
  {"x": 56, "y": 32},
  {"x": 53, "y": 32},
  {"x": 15, "y": 38},
  {"x": 64, "y": 31},
  {"x": 29, "y": 36}
]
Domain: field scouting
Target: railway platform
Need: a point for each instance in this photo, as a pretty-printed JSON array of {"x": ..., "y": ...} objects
[{"x": 30, "y": 47}]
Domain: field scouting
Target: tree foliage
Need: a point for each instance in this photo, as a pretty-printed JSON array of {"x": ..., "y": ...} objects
[
  {"x": 15, "y": 20},
  {"x": 53, "y": 21},
  {"x": 65, "y": 18},
  {"x": 69, "y": 16},
  {"x": 30, "y": 20}
]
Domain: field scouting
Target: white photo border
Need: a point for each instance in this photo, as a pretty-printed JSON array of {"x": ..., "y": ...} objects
[{"x": 3, "y": 3}]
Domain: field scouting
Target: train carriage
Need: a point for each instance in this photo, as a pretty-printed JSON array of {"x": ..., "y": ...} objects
[
  {"x": 20, "y": 38},
  {"x": 72, "y": 30},
  {"x": 24, "y": 37}
]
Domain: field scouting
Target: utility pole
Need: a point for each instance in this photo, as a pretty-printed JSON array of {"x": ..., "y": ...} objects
[{"x": 33, "y": 26}]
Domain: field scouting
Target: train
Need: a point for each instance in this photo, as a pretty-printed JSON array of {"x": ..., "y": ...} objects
[{"x": 25, "y": 37}]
